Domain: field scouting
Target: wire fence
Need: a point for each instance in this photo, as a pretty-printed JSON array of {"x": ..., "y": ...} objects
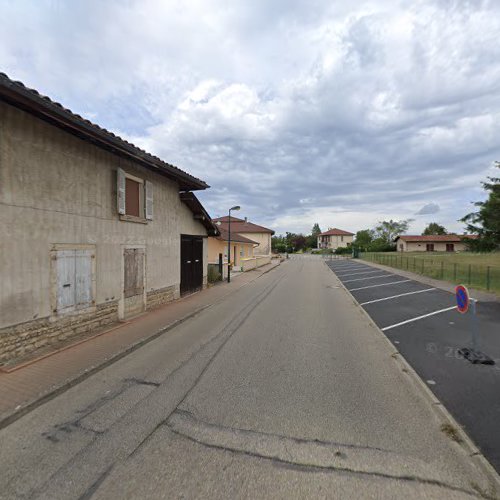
[{"x": 486, "y": 277}]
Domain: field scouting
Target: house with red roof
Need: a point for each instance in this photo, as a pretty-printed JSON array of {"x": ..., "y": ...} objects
[
  {"x": 259, "y": 234},
  {"x": 432, "y": 242},
  {"x": 335, "y": 238}
]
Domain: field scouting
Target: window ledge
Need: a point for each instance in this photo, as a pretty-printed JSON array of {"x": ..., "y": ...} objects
[{"x": 133, "y": 218}]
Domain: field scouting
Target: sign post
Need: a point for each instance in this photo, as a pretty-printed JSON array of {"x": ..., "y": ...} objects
[{"x": 467, "y": 304}]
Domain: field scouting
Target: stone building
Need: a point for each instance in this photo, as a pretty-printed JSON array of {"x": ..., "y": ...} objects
[{"x": 93, "y": 228}]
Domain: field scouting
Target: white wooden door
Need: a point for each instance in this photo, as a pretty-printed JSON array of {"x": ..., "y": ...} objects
[
  {"x": 83, "y": 278},
  {"x": 65, "y": 280},
  {"x": 74, "y": 279}
]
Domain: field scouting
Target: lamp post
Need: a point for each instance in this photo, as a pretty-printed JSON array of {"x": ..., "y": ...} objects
[{"x": 237, "y": 207}]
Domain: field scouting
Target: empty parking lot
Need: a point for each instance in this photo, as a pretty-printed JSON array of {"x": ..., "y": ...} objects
[{"x": 423, "y": 324}]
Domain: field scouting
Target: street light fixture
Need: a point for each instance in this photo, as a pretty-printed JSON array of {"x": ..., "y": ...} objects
[{"x": 236, "y": 207}]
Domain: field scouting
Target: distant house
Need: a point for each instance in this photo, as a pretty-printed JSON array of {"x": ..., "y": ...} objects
[
  {"x": 432, "y": 243},
  {"x": 259, "y": 234},
  {"x": 242, "y": 249},
  {"x": 335, "y": 238}
]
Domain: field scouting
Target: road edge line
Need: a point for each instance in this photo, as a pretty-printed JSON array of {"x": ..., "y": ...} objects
[{"x": 437, "y": 406}]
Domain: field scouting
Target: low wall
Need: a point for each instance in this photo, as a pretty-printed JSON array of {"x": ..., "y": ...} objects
[
  {"x": 21, "y": 339},
  {"x": 255, "y": 262}
]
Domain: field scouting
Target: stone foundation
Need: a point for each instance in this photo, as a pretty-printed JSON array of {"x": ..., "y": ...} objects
[
  {"x": 157, "y": 298},
  {"x": 19, "y": 340}
]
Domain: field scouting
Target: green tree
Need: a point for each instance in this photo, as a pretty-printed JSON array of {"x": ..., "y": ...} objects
[
  {"x": 312, "y": 240},
  {"x": 486, "y": 221},
  {"x": 434, "y": 228},
  {"x": 363, "y": 238},
  {"x": 388, "y": 230},
  {"x": 278, "y": 244},
  {"x": 315, "y": 230}
]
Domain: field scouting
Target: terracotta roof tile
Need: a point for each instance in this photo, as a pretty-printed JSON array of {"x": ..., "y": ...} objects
[
  {"x": 242, "y": 226},
  {"x": 436, "y": 237},
  {"x": 17, "y": 94},
  {"x": 224, "y": 235},
  {"x": 336, "y": 232}
]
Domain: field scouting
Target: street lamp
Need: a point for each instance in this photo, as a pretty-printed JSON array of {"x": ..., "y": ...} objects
[{"x": 237, "y": 207}]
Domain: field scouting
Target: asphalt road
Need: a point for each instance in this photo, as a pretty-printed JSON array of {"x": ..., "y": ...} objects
[
  {"x": 431, "y": 344},
  {"x": 283, "y": 390}
]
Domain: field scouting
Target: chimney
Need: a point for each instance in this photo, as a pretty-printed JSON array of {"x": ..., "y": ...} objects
[{"x": 246, "y": 220}]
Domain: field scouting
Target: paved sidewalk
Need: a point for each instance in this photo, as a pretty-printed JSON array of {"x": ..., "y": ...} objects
[{"x": 30, "y": 385}]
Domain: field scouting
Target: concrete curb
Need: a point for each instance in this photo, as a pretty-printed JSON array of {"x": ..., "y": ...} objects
[
  {"x": 80, "y": 377},
  {"x": 441, "y": 411}
]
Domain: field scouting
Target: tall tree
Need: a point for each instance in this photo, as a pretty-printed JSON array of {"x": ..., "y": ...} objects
[
  {"x": 434, "y": 228},
  {"x": 387, "y": 230},
  {"x": 315, "y": 230},
  {"x": 364, "y": 238},
  {"x": 486, "y": 221}
]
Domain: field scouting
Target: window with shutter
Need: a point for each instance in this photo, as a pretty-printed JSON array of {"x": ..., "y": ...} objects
[
  {"x": 148, "y": 187},
  {"x": 135, "y": 197},
  {"x": 120, "y": 189},
  {"x": 74, "y": 279}
]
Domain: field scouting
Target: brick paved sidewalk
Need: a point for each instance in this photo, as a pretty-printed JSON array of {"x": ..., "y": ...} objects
[{"x": 28, "y": 386}]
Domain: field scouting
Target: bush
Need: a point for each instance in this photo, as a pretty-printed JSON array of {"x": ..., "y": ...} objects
[{"x": 343, "y": 250}]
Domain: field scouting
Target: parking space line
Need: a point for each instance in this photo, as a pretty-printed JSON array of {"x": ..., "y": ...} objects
[
  {"x": 418, "y": 317},
  {"x": 380, "y": 284},
  {"x": 396, "y": 296},
  {"x": 346, "y": 269},
  {"x": 370, "y": 277},
  {"x": 363, "y": 272}
]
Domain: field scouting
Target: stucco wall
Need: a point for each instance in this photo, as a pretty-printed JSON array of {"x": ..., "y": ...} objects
[
  {"x": 56, "y": 188},
  {"x": 414, "y": 246},
  {"x": 264, "y": 241},
  {"x": 216, "y": 246},
  {"x": 335, "y": 241}
]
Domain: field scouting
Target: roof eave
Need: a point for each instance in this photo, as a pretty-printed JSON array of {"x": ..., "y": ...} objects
[{"x": 16, "y": 94}]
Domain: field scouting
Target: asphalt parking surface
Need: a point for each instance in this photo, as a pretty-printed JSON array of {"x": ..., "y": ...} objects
[{"x": 471, "y": 392}]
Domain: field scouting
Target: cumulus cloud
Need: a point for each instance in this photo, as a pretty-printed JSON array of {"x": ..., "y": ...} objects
[
  {"x": 300, "y": 112},
  {"x": 430, "y": 208}
]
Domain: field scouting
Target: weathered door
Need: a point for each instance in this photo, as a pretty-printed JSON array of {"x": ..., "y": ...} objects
[
  {"x": 74, "y": 279},
  {"x": 133, "y": 291},
  {"x": 191, "y": 263}
]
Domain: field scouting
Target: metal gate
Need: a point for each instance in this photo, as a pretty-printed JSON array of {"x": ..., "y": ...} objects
[{"x": 191, "y": 263}]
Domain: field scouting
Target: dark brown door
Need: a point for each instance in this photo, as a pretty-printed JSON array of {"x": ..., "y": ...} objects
[
  {"x": 450, "y": 247},
  {"x": 430, "y": 247},
  {"x": 191, "y": 263}
]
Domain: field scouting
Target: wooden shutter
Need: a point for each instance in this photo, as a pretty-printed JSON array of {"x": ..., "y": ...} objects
[
  {"x": 120, "y": 190},
  {"x": 65, "y": 280},
  {"x": 148, "y": 192},
  {"x": 130, "y": 270},
  {"x": 134, "y": 272},
  {"x": 139, "y": 262},
  {"x": 83, "y": 278}
]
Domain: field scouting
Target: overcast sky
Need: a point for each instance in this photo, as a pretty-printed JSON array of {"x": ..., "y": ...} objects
[{"x": 299, "y": 111}]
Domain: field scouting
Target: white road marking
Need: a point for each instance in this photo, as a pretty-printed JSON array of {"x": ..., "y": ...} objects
[
  {"x": 396, "y": 296},
  {"x": 344, "y": 269},
  {"x": 386, "y": 275},
  {"x": 381, "y": 284},
  {"x": 418, "y": 317},
  {"x": 363, "y": 272}
]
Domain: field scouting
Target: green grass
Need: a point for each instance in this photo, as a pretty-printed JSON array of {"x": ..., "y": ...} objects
[{"x": 478, "y": 270}]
